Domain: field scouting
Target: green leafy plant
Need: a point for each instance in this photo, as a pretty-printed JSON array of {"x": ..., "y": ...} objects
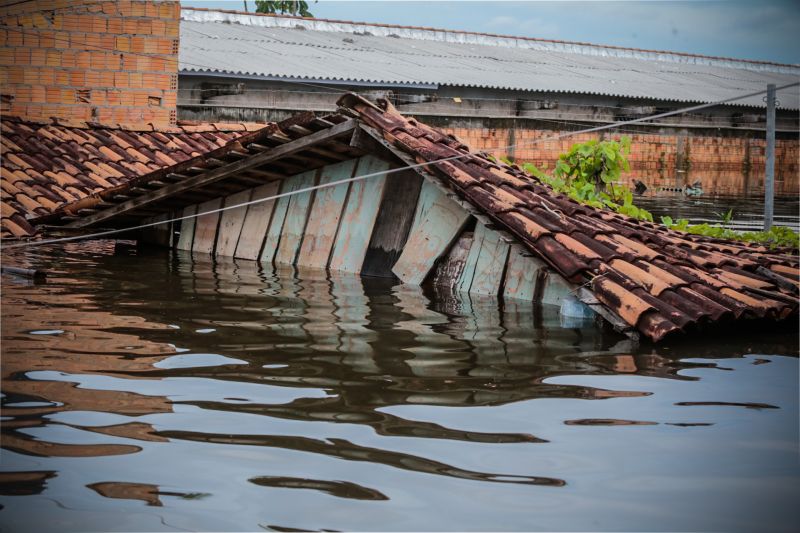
[
  {"x": 288, "y": 7},
  {"x": 589, "y": 173},
  {"x": 776, "y": 237}
]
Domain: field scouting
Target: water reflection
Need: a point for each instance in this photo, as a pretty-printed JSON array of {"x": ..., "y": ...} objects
[{"x": 184, "y": 379}]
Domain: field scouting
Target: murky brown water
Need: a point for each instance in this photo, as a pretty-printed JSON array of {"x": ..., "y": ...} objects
[{"x": 146, "y": 392}]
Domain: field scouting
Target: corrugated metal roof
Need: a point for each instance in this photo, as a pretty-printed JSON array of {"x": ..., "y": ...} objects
[{"x": 274, "y": 47}]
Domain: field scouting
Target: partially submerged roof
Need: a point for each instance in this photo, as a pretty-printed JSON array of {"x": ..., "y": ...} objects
[
  {"x": 657, "y": 280},
  {"x": 47, "y": 165},
  {"x": 650, "y": 278},
  {"x": 235, "y": 44}
]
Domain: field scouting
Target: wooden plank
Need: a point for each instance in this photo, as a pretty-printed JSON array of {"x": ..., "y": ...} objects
[
  {"x": 358, "y": 217},
  {"x": 210, "y": 176},
  {"x": 205, "y": 227},
  {"x": 521, "y": 274},
  {"x": 187, "y": 228},
  {"x": 256, "y": 222},
  {"x": 323, "y": 221},
  {"x": 279, "y": 211},
  {"x": 449, "y": 269},
  {"x": 296, "y": 217},
  {"x": 395, "y": 216},
  {"x": 437, "y": 222},
  {"x": 230, "y": 224},
  {"x": 483, "y": 270}
]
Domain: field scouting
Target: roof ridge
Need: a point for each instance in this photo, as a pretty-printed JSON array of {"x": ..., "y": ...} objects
[{"x": 495, "y": 35}]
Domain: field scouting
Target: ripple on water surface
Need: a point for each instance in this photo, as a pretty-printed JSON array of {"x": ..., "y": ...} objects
[{"x": 186, "y": 394}]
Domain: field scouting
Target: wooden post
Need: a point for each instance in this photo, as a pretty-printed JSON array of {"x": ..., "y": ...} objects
[{"x": 769, "y": 177}]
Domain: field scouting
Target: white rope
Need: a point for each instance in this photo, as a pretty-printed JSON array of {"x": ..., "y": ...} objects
[{"x": 390, "y": 171}]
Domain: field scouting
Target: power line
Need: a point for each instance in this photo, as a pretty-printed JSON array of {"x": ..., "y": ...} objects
[{"x": 391, "y": 171}]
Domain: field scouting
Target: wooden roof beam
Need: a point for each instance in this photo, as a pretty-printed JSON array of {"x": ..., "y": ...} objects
[{"x": 214, "y": 175}]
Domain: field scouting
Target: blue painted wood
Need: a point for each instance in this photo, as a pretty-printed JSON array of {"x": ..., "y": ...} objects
[
  {"x": 491, "y": 262},
  {"x": 187, "y": 229},
  {"x": 521, "y": 275},
  {"x": 358, "y": 217},
  {"x": 437, "y": 222},
  {"x": 294, "y": 224},
  {"x": 279, "y": 216},
  {"x": 323, "y": 220},
  {"x": 256, "y": 222},
  {"x": 205, "y": 227},
  {"x": 230, "y": 224}
]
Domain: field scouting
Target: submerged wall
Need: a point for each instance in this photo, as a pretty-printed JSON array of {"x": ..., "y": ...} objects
[{"x": 397, "y": 225}]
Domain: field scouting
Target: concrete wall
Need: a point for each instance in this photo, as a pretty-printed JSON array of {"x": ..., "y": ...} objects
[{"x": 111, "y": 62}]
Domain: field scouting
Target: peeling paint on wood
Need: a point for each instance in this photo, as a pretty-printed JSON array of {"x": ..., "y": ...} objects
[
  {"x": 279, "y": 216},
  {"x": 294, "y": 224},
  {"x": 326, "y": 211},
  {"x": 230, "y": 225},
  {"x": 521, "y": 275},
  {"x": 437, "y": 221},
  {"x": 491, "y": 261},
  {"x": 449, "y": 269},
  {"x": 205, "y": 227},
  {"x": 256, "y": 222},
  {"x": 187, "y": 228},
  {"x": 358, "y": 217}
]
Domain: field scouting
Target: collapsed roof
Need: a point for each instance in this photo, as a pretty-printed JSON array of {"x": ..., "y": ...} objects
[{"x": 655, "y": 280}]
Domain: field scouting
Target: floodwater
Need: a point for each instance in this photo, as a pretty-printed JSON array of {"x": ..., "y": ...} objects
[
  {"x": 748, "y": 212},
  {"x": 147, "y": 391}
]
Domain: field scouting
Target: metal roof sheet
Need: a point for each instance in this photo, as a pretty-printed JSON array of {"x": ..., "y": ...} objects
[{"x": 254, "y": 46}]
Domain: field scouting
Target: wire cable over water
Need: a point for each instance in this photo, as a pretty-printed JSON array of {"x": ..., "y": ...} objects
[{"x": 609, "y": 126}]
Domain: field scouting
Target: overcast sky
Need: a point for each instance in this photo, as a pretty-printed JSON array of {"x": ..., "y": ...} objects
[{"x": 756, "y": 29}]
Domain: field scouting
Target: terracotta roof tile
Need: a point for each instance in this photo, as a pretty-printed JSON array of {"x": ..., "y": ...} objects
[
  {"x": 657, "y": 280},
  {"x": 63, "y": 162}
]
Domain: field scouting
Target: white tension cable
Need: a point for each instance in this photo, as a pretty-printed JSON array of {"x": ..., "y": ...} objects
[{"x": 609, "y": 126}]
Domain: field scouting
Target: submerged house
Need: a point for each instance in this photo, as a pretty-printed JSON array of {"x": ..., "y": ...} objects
[
  {"x": 367, "y": 190},
  {"x": 91, "y": 141}
]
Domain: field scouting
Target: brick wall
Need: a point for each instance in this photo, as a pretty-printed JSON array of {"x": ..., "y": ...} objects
[
  {"x": 724, "y": 165},
  {"x": 112, "y": 62}
]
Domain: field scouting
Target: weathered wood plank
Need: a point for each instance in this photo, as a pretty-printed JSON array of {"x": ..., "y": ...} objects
[
  {"x": 553, "y": 288},
  {"x": 323, "y": 221},
  {"x": 205, "y": 227},
  {"x": 437, "y": 221},
  {"x": 187, "y": 228},
  {"x": 395, "y": 216},
  {"x": 483, "y": 270},
  {"x": 256, "y": 222},
  {"x": 449, "y": 269},
  {"x": 294, "y": 224},
  {"x": 230, "y": 225},
  {"x": 521, "y": 275},
  {"x": 358, "y": 217},
  {"x": 210, "y": 176},
  {"x": 273, "y": 238}
]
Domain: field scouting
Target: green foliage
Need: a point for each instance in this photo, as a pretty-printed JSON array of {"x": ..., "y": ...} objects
[
  {"x": 725, "y": 217},
  {"x": 288, "y": 7},
  {"x": 777, "y": 236},
  {"x": 589, "y": 173}
]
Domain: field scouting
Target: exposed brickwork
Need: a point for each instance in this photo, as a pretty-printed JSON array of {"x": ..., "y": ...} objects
[
  {"x": 109, "y": 62},
  {"x": 733, "y": 165}
]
